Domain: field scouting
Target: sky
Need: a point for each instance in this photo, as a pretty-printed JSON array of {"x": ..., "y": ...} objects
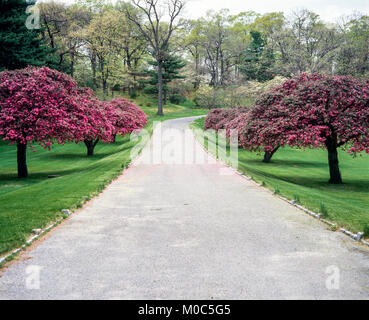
[{"x": 329, "y": 10}]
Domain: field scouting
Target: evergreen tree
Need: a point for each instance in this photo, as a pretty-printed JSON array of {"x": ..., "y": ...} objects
[
  {"x": 19, "y": 45},
  {"x": 258, "y": 60},
  {"x": 171, "y": 66}
]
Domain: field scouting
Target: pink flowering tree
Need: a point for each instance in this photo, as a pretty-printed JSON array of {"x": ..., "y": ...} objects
[
  {"x": 108, "y": 119},
  {"x": 129, "y": 117},
  {"x": 267, "y": 127},
  {"x": 238, "y": 124},
  {"x": 38, "y": 105},
  {"x": 99, "y": 125},
  {"x": 313, "y": 111},
  {"x": 218, "y": 119},
  {"x": 212, "y": 119},
  {"x": 228, "y": 115}
]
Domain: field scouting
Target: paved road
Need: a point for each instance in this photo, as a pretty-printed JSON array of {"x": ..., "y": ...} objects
[{"x": 188, "y": 231}]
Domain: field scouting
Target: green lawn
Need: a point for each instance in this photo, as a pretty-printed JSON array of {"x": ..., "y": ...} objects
[
  {"x": 34, "y": 202},
  {"x": 303, "y": 174}
]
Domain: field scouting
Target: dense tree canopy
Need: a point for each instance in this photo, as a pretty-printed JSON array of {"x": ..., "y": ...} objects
[
  {"x": 109, "y": 46},
  {"x": 20, "y": 46}
]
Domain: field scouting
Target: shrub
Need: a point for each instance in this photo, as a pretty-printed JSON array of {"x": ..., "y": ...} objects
[
  {"x": 151, "y": 90},
  {"x": 116, "y": 87},
  {"x": 255, "y": 89},
  {"x": 204, "y": 97},
  {"x": 212, "y": 119},
  {"x": 236, "y": 96},
  {"x": 133, "y": 94},
  {"x": 177, "y": 99},
  {"x": 174, "y": 90}
]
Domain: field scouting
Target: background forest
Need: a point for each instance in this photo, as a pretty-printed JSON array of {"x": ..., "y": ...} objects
[{"x": 217, "y": 60}]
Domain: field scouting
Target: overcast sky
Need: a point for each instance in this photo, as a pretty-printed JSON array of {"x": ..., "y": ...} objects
[{"x": 329, "y": 10}]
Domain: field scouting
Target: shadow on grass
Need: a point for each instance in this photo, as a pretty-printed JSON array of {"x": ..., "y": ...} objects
[
  {"x": 288, "y": 163},
  {"x": 361, "y": 186},
  {"x": 37, "y": 176},
  {"x": 97, "y": 156},
  {"x": 76, "y": 156},
  {"x": 11, "y": 180}
]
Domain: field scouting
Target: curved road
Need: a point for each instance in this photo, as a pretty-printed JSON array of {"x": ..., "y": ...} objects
[{"x": 188, "y": 231}]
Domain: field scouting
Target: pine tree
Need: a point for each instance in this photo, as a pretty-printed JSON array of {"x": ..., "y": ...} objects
[
  {"x": 171, "y": 66},
  {"x": 258, "y": 60},
  {"x": 20, "y": 46}
]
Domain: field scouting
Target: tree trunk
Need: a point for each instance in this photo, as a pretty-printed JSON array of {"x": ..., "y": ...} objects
[
  {"x": 128, "y": 61},
  {"x": 90, "y": 144},
  {"x": 165, "y": 96},
  {"x": 105, "y": 88},
  {"x": 72, "y": 60},
  {"x": 197, "y": 63},
  {"x": 334, "y": 169},
  {"x": 104, "y": 76},
  {"x": 221, "y": 68},
  {"x": 160, "y": 83},
  {"x": 216, "y": 75},
  {"x": 214, "y": 97},
  {"x": 93, "y": 66},
  {"x": 269, "y": 154},
  {"x": 22, "y": 160},
  {"x": 114, "y": 138}
]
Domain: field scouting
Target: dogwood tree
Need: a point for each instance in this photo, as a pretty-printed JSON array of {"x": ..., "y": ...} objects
[
  {"x": 99, "y": 125},
  {"x": 266, "y": 127},
  {"x": 314, "y": 111},
  {"x": 39, "y": 105},
  {"x": 105, "y": 120},
  {"x": 128, "y": 116}
]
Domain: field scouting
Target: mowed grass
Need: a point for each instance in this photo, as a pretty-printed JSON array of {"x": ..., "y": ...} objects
[
  {"x": 303, "y": 175},
  {"x": 32, "y": 203}
]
